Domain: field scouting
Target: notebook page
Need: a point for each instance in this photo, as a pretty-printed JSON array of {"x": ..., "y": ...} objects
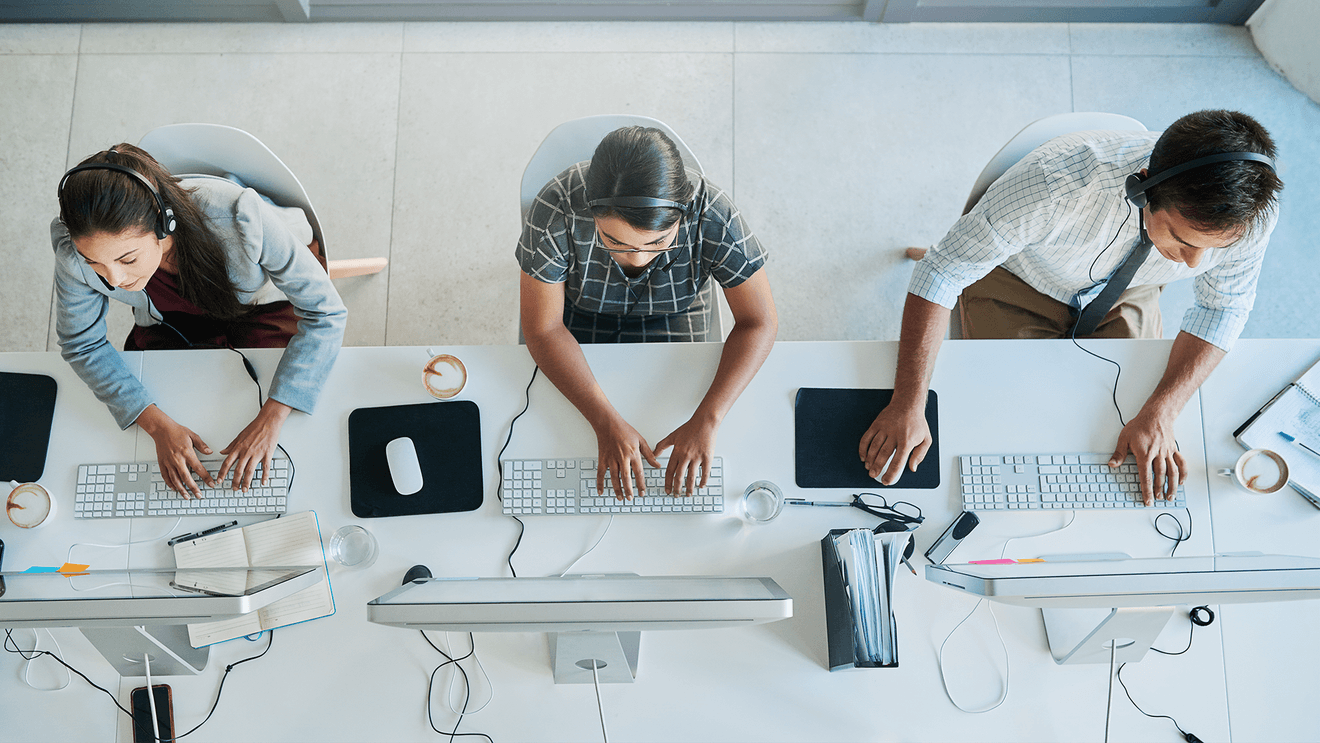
[
  {"x": 1310, "y": 381},
  {"x": 201, "y": 634},
  {"x": 224, "y": 550},
  {"x": 1297, "y": 415},
  {"x": 292, "y": 540}
]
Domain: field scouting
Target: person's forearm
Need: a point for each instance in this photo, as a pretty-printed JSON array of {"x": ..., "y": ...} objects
[
  {"x": 924, "y": 326},
  {"x": 561, "y": 359},
  {"x": 1190, "y": 362},
  {"x": 745, "y": 349}
]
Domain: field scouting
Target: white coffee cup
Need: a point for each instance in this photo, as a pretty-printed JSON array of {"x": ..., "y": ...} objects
[
  {"x": 444, "y": 376},
  {"x": 29, "y": 505},
  {"x": 1259, "y": 471}
]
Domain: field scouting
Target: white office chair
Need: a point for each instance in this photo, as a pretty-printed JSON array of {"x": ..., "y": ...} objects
[
  {"x": 574, "y": 141},
  {"x": 214, "y": 149},
  {"x": 1032, "y": 136}
]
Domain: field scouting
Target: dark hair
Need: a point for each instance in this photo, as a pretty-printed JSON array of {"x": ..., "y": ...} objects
[
  {"x": 639, "y": 161},
  {"x": 1233, "y": 196},
  {"x": 110, "y": 202}
]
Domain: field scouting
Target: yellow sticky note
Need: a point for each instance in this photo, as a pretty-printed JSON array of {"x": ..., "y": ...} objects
[
  {"x": 1031, "y": 559},
  {"x": 69, "y": 567}
]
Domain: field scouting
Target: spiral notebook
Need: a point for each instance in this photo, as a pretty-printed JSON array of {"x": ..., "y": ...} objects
[{"x": 1290, "y": 425}]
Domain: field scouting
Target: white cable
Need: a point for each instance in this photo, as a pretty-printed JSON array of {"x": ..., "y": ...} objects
[
  {"x": 1002, "y": 645},
  {"x": 449, "y": 692},
  {"x": 595, "y": 681},
  {"x": 608, "y": 524},
  {"x": 27, "y": 662},
  {"x": 68, "y": 557}
]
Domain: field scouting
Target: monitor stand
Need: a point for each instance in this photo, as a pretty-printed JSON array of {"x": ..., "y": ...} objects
[
  {"x": 1085, "y": 635},
  {"x": 615, "y": 653},
  {"x": 167, "y": 646}
]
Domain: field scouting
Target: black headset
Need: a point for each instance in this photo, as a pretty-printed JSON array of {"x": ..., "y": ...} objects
[
  {"x": 165, "y": 222},
  {"x": 638, "y": 202},
  {"x": 1137, "y": 184}
]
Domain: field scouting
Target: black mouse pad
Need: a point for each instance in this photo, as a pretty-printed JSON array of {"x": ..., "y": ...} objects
[
  {"x": 27, "y": 406},
  {"x": 827, "y": 427},
  {"x": 447, "y": 436}
]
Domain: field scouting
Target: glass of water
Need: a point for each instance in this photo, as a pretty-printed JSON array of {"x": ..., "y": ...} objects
[{"x": 354, "y": 547}]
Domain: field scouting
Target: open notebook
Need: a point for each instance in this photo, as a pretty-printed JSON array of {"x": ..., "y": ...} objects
[
  {"x": 292, "y": 540},
  {"x": 1290, "y": 425}
]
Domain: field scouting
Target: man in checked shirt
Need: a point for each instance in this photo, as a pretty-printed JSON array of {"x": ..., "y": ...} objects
[{"x": 1046, "y": 237}]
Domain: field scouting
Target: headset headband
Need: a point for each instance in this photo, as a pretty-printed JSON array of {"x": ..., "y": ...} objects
[
  {"x": 1137, "y": 185},
  {"x": 165, "y": 223},
  {"x": 638, "y": 202}
]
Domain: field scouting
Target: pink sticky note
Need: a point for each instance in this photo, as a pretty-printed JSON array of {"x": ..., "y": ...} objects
[{"x": 993, "y": 562}]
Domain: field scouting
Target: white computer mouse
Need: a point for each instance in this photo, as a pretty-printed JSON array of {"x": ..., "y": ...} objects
[{"x": 404, "y": 467}]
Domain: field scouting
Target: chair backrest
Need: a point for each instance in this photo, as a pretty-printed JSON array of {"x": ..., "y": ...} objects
[
  {"x": 575, "y": 141},
  {"x": 1039, "y": 132},
  {"x": 214, "y": 149}
]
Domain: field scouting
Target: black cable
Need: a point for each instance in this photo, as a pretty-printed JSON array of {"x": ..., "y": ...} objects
[
  {"x": 1072, "y": 336},
  {"x": 1196, "y": 621},
  {"x": 499, "y": 467},
  {"x": 467, "y": 689},
  {"x": 1181, "y": 537},
  {"x": 9, "y": 641},
  {"x": 1121, "y": 225}
]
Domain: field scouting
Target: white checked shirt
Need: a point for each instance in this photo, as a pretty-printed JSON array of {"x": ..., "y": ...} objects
[{"x": 1050, "y": 216}]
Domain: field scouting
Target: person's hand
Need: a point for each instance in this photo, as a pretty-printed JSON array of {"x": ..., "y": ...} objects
[
  {"x": 1161, "y": 468},
  {"x": 255, "y": 445},
  {"x": 620, "y": 452},
  {"x": 176, "y": 452},
  {"x": 899, "y": 435},
  {"x": 693, "y": 444}
]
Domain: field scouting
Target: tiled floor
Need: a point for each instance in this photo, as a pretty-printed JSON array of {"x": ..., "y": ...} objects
[{"x": 842, "y": 143}]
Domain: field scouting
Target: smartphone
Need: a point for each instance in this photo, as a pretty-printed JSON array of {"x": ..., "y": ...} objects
[{"x": 142, "y": 731}]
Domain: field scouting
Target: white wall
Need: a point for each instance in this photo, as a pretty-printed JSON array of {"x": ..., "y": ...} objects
[{"x": 1285, "y": 31}]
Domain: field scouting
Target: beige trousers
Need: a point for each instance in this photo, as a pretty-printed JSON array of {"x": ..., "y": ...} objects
[{"x": 1001, "y": 305}]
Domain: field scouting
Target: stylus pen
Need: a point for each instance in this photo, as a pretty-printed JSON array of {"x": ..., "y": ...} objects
[{"x": 832, "y": 504}]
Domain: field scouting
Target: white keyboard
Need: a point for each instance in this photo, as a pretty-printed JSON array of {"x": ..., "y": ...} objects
[
  {"x": 554, "y": 486},
  {"x": 1001, "y": 482},
  {"x": 137, "y": 489}
]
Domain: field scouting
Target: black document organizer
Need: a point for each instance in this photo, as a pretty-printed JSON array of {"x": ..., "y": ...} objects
[
  {"x": 827, "y": 427},
  {"x": 838, "y": 612},
  {"x": 27, "y": 407},
  {"x": 447, "y": 436}
]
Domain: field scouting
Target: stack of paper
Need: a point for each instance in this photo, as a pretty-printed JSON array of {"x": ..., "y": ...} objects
[{"x": 869, "y": 564}]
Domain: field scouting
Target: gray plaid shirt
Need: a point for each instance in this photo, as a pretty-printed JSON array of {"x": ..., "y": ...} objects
[{"x": 668, "y": 300}]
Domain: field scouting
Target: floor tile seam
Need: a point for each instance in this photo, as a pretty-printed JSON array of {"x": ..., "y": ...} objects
[
  {"x": 68, "y": 147},
  {"x": 394, "y": 202}
]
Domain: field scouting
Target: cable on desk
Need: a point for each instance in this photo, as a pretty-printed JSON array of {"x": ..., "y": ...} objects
[
  {"x": 608, "y": 524},
  {"x": 1180, "y": 538},
  {"x": 467, "y": 693},
  {"x": 449, "y": 692},
  {"x": 1196, "y": 620},
  {"x": 993, "y": 617},
  {"x": 27, "y": 662},
  {"x": 270, "y": 640},
  {"x": 595, "y": 681},
  {"x": 11, "y": 646},
  {"x": 499, "y": 467}
]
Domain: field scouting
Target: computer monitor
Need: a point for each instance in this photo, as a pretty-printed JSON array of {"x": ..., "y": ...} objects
[
  {"x": 128, "y": 613},
  {"x": 1093, "y": 602},
  {"x": 590, "y": 618}
]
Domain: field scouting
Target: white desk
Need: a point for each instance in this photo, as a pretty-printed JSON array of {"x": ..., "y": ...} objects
[
  {"x": 342, "y": 678},
  {"x": 1273, "y": 700}
]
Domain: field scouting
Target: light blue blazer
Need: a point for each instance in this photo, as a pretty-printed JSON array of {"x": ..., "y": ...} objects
[{"x": 268, "y": 261}]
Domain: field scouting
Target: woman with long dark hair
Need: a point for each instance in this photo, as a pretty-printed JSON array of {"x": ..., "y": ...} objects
[
  {"x": 203, "y": 262},
  {"x": 624, "y": 248}
]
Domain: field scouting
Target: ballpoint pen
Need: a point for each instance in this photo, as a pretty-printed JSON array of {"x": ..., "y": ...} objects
[
  {"x": 200, "y": 534},
  {"x": 832, "y": 504},
  {"x": 1293, "y": 439}
]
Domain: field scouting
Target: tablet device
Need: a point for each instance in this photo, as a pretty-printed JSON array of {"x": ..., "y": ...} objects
[
  {"x": 447, "y": 436},
  {"x": 828, "y": 424}
]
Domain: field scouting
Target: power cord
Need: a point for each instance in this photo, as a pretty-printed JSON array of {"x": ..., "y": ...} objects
[
  {"x": 467, "y": 693},
  {"x": 595, "y": 681},
  {"x": 499, "y": 467}
]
